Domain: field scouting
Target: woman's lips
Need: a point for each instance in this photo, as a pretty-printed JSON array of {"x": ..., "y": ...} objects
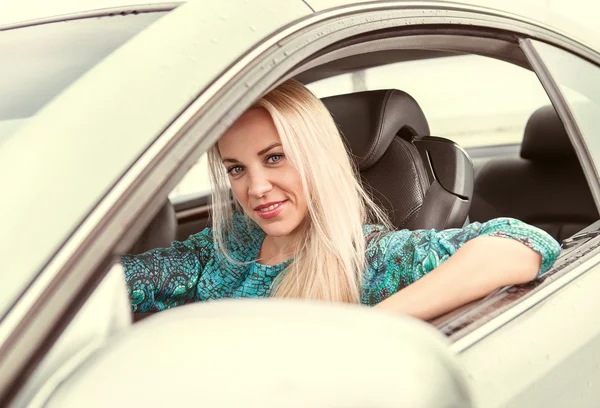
[{"x": 266, "y": 214}]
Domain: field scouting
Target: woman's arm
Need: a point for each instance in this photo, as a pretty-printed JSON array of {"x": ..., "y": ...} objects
[
  {"x": 427, "y": 272},
  {"x": 166, "y": 277},
  {"x": 479, "y": 267}
]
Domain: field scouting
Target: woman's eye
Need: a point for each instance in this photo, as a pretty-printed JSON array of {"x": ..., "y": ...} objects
[
  {"x": 274, "y": 158},
  {"x": 233, "y": 170}
]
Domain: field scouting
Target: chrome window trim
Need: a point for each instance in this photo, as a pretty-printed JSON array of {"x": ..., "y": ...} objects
[
  {"x": 60, "y": 269},
  {"x": 104, "y": 12}
]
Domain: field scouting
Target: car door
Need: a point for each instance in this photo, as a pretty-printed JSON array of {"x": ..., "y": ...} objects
[
  {"x": 115, "y": 142},
  {"x": 550, "y": 337}
]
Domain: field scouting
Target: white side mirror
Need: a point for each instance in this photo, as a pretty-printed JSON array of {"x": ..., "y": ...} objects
[{"x": 271, "y": 353}]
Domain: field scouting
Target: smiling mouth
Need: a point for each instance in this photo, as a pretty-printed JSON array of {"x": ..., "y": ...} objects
[{"x": 270, "y": 210}]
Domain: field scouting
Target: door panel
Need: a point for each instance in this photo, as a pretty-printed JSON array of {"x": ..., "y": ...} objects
[{"x": 546, "y": 357}]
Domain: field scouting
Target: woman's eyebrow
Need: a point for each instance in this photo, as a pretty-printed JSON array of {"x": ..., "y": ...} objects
[
  {"x": 263, "y": 151},
  {"x": 271, "y": 146}
]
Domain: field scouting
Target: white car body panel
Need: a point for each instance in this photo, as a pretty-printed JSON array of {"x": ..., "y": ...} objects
[
  {"x": 28, "y": 10},
  {"x": 542, "y": 357},
  {"x": 104, "y": 315},
  {"x": 271, "y": 353}
]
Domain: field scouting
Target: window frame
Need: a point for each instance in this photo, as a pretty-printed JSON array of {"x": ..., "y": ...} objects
[
  {"x": 565, "y": 113},
  {"x": 487, "y": 316}
]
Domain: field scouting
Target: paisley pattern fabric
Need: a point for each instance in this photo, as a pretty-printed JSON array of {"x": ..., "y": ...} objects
[{"x": 193, "y": 270}]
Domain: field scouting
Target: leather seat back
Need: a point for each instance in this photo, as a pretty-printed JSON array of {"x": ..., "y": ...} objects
[{"x": 421, "y": 181}]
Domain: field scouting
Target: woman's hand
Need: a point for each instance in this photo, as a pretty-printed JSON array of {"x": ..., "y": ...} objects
[{"x": 481, "y": 266}]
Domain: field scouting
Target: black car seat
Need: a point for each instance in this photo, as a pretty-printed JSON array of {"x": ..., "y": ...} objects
[
  {"x": 420, "y": 180},
  {"x": 544, "y": 187},
  {"x": 160, "y": 233}
]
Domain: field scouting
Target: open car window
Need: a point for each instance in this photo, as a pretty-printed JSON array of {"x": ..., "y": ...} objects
[
  {"x": 472, "y": 100},
  {"x": 195, "y": 182}
]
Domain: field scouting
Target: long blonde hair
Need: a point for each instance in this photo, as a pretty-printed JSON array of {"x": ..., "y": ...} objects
[{"x": 330, "y": 257}]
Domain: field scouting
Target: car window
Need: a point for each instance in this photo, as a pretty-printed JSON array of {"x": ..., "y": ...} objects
[
  {"x": 473, "y": 100},
  {"x": 195, "y": 182},
  {"x": 579, "y": 83},
  {"x": 38, "y": 63}
]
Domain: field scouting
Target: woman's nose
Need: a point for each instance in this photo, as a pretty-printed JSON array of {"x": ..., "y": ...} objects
[{"x": 259, "y": 184}]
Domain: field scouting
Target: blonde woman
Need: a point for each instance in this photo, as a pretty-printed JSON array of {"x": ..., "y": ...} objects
[{"x": 302, "y": 227}]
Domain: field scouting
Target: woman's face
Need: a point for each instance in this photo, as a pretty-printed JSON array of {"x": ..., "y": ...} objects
[{"x": 265, "y": 184}]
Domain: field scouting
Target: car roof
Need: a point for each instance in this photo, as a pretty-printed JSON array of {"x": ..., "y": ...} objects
[{"x": 28, "y": 10}]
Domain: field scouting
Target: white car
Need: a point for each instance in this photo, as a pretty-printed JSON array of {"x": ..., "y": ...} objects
[{"x": 103, "y": 112}]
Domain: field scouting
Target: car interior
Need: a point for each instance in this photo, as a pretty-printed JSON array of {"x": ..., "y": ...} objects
[
  {"x": 422, "y": 180},
  {"x": 545, "y": 186}
]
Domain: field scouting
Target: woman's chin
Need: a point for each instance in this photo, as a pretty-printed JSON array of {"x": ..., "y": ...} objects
[
  {"x": 276, "y": 229},
  {"x": 277, "y": 232}
]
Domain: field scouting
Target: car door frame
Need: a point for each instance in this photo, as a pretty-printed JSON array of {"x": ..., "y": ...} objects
[{"x": 454, "y": 14}]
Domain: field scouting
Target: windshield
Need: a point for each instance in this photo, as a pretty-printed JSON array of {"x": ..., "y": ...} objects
[{"x": 38, "y": 63}]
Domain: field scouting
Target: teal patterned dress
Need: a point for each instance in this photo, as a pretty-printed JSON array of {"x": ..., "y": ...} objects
[{"x": 193, "y": 271}]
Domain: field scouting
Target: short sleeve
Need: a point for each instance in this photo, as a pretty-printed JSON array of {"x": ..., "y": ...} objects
[
  {"x": 398, "y": 258},
  {"x": 166, "y": 277}
]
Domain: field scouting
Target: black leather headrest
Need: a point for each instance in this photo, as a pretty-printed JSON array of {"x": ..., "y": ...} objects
[
  {"x": 545, "y": 137},
  {"x": 378, "y": 114}
]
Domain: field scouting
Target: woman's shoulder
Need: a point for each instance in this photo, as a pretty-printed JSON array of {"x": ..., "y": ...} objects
[
  {"x": 376, "y": 238},
  {"x": 370, "y": 230}
]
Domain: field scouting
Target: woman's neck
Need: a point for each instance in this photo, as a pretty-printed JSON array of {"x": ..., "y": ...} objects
[{"x": 275, "y": 250}]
